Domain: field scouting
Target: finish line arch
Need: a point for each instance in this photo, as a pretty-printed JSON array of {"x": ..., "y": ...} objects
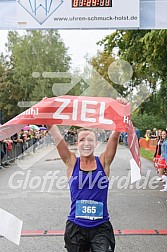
[{"x": 83, "y": 14}]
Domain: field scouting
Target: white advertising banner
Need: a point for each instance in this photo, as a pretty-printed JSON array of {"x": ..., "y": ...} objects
[
  {"x": 160, "y": 14},
  {"x": 78, "y": 14}
]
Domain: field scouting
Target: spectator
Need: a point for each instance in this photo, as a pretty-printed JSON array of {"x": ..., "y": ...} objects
[
  {"x": 2, "y": 154},
  {"x": 137, "y": 133},
  {"x": 159, "y": 134},
  {"x": 148, "y": 135},
  {"x": 157, "y": 153},
  {"x": 163, "y": 159},
  {"x": 125, "y": 138},
  {"x": 154, "y": 134}
]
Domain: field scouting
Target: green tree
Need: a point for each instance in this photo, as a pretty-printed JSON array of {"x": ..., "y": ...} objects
[
  {"x": 146, "y": 51},
  {"x": 28, "y": 57},
  {"x": 37, "y": 52},
  {"x": 101, "y": 84},
  {"x": 9, "y": 95}
]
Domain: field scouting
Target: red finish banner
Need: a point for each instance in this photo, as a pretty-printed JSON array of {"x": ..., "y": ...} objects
[
  {"x": 94, "y": 112},
  {"x": 133, "y": 144}
]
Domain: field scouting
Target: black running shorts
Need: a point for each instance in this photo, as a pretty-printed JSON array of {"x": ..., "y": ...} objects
[{"x": 95, "y": 239}]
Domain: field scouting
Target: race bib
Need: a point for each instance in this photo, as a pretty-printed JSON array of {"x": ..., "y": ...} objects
[{"x": 89, "y": 209}]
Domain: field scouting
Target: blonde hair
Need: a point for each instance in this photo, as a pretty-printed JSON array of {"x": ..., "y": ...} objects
[{"x": 86, "y": 129}]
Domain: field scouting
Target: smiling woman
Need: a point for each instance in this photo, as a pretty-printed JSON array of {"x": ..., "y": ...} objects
[
  {"x": 86, "y": 142},
  {"x": 89, "y": 184},
  {"x": 89, "y": 199}
]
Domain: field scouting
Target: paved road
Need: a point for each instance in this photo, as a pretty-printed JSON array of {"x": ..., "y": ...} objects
[{"x": 44, "y": 204}]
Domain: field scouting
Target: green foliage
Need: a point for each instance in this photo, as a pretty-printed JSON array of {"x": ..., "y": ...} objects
[
  {"x": 146, "y": 51},
  {"x": 101, "y": 84},
  {"x": 147, "y": 154},
  {"x": 36, "y": 51},
  {"x": 147, "y": 121},
  {"x": 9, "y": 95}
]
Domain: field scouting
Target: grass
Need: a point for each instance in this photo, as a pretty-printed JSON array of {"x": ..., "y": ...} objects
[{"x": 146, "y": 154}]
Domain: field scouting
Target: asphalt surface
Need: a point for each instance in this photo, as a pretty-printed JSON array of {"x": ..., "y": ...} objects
[{"x": 44, "y": 204}]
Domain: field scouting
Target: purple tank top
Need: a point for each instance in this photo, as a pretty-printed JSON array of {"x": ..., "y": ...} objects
[{"x": 89, "y": 192}]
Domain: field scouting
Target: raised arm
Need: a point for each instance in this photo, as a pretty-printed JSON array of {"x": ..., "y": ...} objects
[
  {"x": 67, "y": 156},
  {"x": 108, "y": 155}
]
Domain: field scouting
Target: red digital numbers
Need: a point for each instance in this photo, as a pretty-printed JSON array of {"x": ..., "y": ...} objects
[
  {"x": 75, "y": 3},
  {"x": 88, "y": 2},
  {"x": 81, "y": 3},
  {"x": 108, "y": 3},
  {"x": 94, "y": 2},
  {"x": 91, "y": 3}
]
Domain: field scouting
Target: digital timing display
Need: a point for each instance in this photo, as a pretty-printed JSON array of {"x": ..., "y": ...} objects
[{"x": 91, "y": 3}]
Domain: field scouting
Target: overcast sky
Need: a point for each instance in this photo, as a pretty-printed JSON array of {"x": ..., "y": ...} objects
[{"x": 80, "y": 43}]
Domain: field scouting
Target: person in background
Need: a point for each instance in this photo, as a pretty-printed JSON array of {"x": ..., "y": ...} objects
[
  {"x": 157, "y": 153},
  {"x": 137, "y": 133},
  {"x": 159, "y": 134},
  {"x": 2, "y": 154},
  {"x": 154, "y": 134},
  {"x": 147, "y": 135},
  {"x": 164, "y": 160},
  {"x": 125, "y": 138}
]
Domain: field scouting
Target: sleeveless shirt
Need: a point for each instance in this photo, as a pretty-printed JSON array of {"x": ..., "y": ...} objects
[{"x": 90, "y": 187}]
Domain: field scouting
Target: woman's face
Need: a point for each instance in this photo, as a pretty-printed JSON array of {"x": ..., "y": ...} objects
[
  {"x": 164, "y": 134},
  {"x": 160, "y": 133},
  {"x": 86, "y": 143}
]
